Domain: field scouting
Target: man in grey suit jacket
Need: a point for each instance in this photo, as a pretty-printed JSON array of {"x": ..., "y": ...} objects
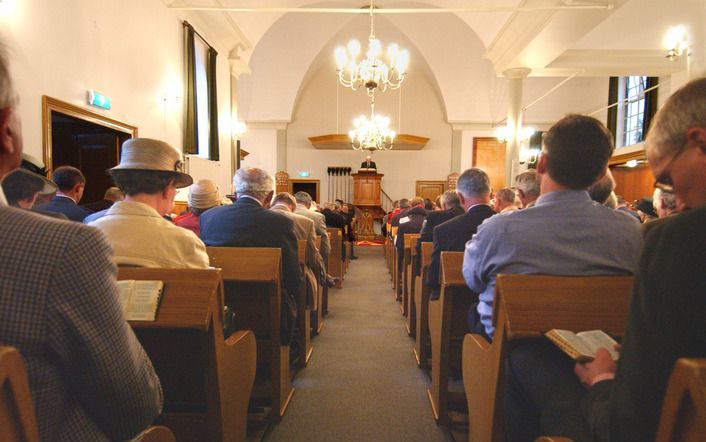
[
  {"x": 89, "y": 377},
  {"x": 303, "y": 206}
]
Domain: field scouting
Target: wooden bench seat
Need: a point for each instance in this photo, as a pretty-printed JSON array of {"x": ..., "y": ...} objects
[
  {"x": 304, "y": 310},
  {"x": 410, "y": 251},
  {"x": 447, "y": 326},
  {"x": 525, "y": 307},
  {"x": 206, "y": 379},
  {"x": 422, "y": 342},
  {"x": 252, "y": 277},
  {"x": 17, "y": 421},
  {"x": 335, "y": 258}
]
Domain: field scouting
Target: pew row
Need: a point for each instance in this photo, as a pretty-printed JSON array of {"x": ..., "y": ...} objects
[
  {"x": 525, "y": 307},
  {"x": 422, "y": 344},
  {"x": 335, "y": 258},
  {"x": 447, "y": 326},
  {"x": 252, "y": 277},
  {"x": 206, "y": 379},
  {"x": 305, "y": 308},
  {"x": 410, "y": 251},
  {"x": 17, "y": 420}
]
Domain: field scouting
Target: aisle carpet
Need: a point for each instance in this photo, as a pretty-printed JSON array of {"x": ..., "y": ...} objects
[{"x": 362, "y": 383}]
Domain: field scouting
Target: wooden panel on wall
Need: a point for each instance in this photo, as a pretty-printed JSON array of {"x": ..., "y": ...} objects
[
  {"x": 633, "y": 183},
  {"x": 489, "y": 155},
  {"x": 430, "y": 189}
]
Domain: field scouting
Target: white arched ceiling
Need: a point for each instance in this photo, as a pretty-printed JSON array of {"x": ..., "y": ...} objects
[{"x": 446, "y": 46}]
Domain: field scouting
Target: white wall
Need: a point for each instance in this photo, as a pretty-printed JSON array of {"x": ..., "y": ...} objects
[
  {"x": 262, "y": 147},
  {"x": 131, "y": 50}
]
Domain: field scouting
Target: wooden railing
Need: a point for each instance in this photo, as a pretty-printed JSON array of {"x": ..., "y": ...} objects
[{"x": 385, "y": 201}]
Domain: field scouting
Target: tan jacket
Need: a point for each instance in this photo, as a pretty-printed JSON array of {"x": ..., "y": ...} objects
[
  {"x": 304, "y": 230},
  {"x": 141, "y": 237}
]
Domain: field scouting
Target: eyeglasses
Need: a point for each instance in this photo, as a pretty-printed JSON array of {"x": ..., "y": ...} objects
[{"x": 664, "y": 180}]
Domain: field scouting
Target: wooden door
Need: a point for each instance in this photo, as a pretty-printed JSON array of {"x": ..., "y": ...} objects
[
  {"x": 430, "y": 189},
  {"x": 489, "y": 155}
]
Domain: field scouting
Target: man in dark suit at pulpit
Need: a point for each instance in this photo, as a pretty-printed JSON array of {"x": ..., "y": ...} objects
[{"x": 368, "y": 163}]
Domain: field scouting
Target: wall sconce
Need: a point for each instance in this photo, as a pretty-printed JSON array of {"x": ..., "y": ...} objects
[{"x": 676, "y": 42}]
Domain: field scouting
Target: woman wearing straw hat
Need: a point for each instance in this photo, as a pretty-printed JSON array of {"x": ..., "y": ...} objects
[
  {"x": 149, "y": 174},
  {"x": 203, "y": 195}
]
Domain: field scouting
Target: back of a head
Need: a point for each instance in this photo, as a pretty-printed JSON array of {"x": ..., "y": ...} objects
[
  {"x": 416, "y": 201},
  {"x": 449, "y": 200},
  {"x": 528, "y": 183},
  {"x": 254, "y": 182},
  {"x": 303, "y": 198},
  {"x": 134, "y": 182},
  {"x": 67, "y": 177},
  {"x": 20, "y": 185},
  {"x": 577, "y": 149},
  {"x": 684, "y": 109},
  {"x": 285, "y": 198},
  {"x": 473, "y": 183},
  {"x": 506, "y": 195},
  {"x": 404, "y": 203},
  {"x": 114, "y": 194},
  {"x": 601, "y": 189},
  {"x": 8, "y": 96}
]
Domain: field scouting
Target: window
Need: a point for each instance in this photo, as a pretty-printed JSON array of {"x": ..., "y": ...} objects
[
  {"x": 630, "y": 119},
  {"x": 201, "y": 136}
]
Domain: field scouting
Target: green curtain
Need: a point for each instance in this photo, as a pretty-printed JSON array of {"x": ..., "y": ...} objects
[
  {"x": 213, "y": 145},
  {"x": 191, "y": 134},
  {"x": 612, "y": 119},
  {"x": 650, "y": 104}
]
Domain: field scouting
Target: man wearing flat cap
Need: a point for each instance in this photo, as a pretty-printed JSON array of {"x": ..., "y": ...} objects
[
  {"x": 149, "y": 174},
  {"x": 203, "y": 195}
]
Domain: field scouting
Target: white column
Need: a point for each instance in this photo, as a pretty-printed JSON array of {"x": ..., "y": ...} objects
[
  {"x": 515, "y": 79},
  {"x": 237, "y": 68}
]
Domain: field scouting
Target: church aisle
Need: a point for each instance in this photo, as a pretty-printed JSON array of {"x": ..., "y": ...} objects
[{"x": 362, "y": 383}]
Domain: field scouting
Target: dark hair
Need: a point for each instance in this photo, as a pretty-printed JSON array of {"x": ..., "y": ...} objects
[
  {"x": 19, "y": 186},
  {"x": 66, "y": 177},
  {"x": 428, "y": 204},
  {"x": 133, "y": 182},
  {"x": 577, "y": 148}
]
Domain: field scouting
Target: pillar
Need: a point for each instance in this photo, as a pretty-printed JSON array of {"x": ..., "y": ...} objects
[{"x": 515, "y": 79}]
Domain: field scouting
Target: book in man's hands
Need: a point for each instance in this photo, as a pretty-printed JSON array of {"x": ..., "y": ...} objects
[
  {"x": 140, "y": 299},
  {"x": 582, "y": 347}
]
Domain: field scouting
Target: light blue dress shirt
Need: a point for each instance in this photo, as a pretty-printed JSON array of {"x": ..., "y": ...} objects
[{"x": 565, "y": 233}]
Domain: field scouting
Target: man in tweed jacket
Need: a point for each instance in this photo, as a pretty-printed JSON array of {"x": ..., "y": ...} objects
[{"x": 89, "y": 377}]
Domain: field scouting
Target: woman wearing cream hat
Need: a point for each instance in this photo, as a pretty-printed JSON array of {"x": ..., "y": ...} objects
[{"x": 203, "y": 195}]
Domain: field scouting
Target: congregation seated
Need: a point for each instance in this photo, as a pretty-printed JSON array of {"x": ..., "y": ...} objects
[
  {"x": 394, "y": 218},
  {"x": 71, "y": 183},
  {"x": 450, "y": 206},
  {"x": 506, "y": 201},
  {"x": 566, "y": 234},
  {"x": 411, "y": 222},
  {"x": 527, "y": 187},
  {"x": 248, "y": 223},
  {"x": 305, "y": 208},
  {"x": 473, "y": 191},
  {"x": 89, "y": 377},
  {"x": 22, "y": 188},
  {"x": 148, "y": 175},
  {"x": 112, "y": 195},
  {"x": 203, "y": 195}
]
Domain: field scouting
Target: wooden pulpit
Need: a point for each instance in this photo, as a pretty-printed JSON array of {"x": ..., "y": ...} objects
[{"x": 366, "y": 199}]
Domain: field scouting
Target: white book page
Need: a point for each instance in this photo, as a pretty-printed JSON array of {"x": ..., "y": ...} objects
[
  {"x": 596, "y": 339},
  {"x": 124, "y": 291},
  {"x": 574, "y": 340},
  {"x": 143, "y": 304}
]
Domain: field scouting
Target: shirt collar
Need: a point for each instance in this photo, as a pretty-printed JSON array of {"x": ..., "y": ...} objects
[
  {"x": 476, "y": 205},
  {"x": 67, "y": 197},
  {"x": 562, "y": 196},
  {"x": 250, "y": 197}
]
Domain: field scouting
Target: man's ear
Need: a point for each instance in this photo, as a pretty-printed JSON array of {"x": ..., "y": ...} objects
[
  {"x": 697, "y": 135},
  {"x": 7, "y": 146},
  {"x": 542, "y": 164},
  {"x": 461, "y": 198},
  {"x": 268, "y": 198}
]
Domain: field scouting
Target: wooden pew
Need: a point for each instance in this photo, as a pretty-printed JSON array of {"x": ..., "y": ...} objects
[
  {"x": 422, "y": 344},
  {"x": 17, "y": 421},
  {"x": 526, "y": 306},
  {"x": 303, "y": 312},
  {"x": 252, "y": 277},
  {"x": 206, "y": 379},
  {"x": 410, "y": 251},
  {"x": 335, "y": 260},
  {"x": 156, "y": 433},
  {"x": 322, "y": 307},
  {"x": 684, "y": 408},
  {"x": 447, "y": 326},
  {"x": 395, "y": 270}
]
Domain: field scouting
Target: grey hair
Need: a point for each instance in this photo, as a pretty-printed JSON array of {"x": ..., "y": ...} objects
[
  {"x": 404, "y": 203},
  {"x": 527, "y": 182},
  {"x": 473, "y": 182},
  {"x": 303, "y": 198},
  {"x": 8, "y": 95},
  {"x": 449, "y": 199},
  {"x": 254, "y": 182},
  {"x": 505, "y": 194},
  {"x": 686, "y": 108},
  {"x": 664, "y": 200}
]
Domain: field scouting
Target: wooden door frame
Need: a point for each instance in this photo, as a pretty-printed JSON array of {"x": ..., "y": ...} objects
[
  {"x": 316, "y": 182},
  {"x": 50, "y": 105}
]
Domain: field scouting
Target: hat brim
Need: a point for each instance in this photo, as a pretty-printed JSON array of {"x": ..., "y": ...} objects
[
  {"x": 49, "y": 186},
  {"x": 182, "y": 179}
]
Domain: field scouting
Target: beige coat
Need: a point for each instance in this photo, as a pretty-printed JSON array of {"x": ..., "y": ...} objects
[
  {"x": 304, "y": 230},
  {"x": 141, "y": 237}
]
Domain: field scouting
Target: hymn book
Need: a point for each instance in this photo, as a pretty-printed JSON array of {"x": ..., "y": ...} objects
[
  {"x": 582, "y": 347},
  {"x": 140, "y": 299}
]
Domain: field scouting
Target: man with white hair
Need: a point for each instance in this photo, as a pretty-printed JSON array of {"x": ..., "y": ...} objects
[
  {"x": 527, "y": 185},
  {"x": 89, "y": 377},
  {"x": 248, "y": 223}
]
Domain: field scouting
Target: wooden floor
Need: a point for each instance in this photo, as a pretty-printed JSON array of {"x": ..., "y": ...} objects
[{"x": 362, "y": 383}]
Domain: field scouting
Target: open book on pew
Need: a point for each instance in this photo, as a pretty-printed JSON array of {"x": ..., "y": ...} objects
[
  {"x": 140, "y": 299},
  {"x": 582, "y": 347}
]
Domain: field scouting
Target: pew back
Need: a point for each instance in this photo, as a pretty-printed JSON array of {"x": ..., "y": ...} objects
[
  {"x": 422, "y": 345},
  {"x": 335, "y": 257},
  {"x": 684, "y": 407},
  {"x": 410, "y": 250},
  {"x": 17, "y": 419}
]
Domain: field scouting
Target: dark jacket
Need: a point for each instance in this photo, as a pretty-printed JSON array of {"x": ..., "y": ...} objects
[
  {"x": 410, "y": 222},
  {"x": 67, "y": 206},
  {"x": 368, "y": 165},
  {"x": 452, "y": 236},
  {"x": 427, "y": 233},
  {"x": 247, "y": 224}
]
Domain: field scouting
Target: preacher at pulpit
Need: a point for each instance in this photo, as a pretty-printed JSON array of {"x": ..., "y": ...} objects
[{"x": 368, "y": 164}]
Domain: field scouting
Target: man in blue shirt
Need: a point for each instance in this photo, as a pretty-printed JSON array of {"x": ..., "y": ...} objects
[{"x": 565, "y": 233}]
